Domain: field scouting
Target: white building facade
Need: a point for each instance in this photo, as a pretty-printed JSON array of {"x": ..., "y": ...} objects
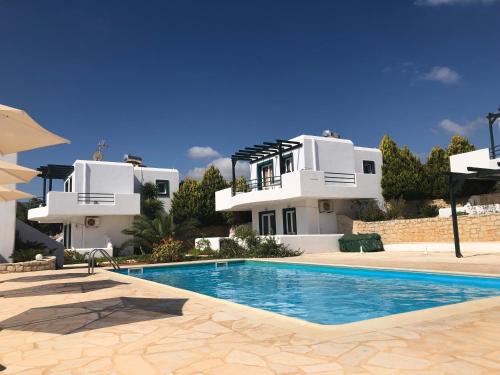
[
  {"x": 7, "y": 220},
  {"x": 99, "y": 200},
  {"x": 299, "y": 187}
]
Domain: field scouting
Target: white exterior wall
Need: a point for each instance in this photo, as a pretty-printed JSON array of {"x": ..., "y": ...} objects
[
  {"x": 7, "y": 220},
  {"x": 110, "y": 227},
  {"x": 306, "y": 212},
  {"x": 478, "y": 159},
  {"x": 103, "y": 177}
]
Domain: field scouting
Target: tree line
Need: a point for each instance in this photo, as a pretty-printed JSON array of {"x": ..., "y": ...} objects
[{"x": 404, "y": 176}]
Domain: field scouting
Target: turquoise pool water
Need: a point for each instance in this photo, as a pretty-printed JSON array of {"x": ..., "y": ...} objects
[{"x": 323, "y": 294}]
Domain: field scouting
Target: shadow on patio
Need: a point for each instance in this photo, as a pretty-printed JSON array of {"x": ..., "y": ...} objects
[
  {"x": 57, "y": 276},
  {"x": 89, "y": 315},
  {"x": 61, "y": 288}
]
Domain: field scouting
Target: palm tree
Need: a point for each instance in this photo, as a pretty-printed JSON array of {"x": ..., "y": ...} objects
[
  {"x": 151, "y": 206},
  {"x": 147, "y": 231}
]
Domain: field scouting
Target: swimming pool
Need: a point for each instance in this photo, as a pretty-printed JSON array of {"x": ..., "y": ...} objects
[{"x": 323, "y": 294}]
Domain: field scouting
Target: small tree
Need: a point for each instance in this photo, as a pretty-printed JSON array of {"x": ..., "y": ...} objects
[
  {"x": 434, "y": 169},
  {"x": 411, "y": 176},
  {"x": 212, "y": 181},
  {"x": 402, "y": 172},
  {"x": 187, "y": 201},
  {"x": 459, "y": 145},
  {"x": 151, "y": 206}
]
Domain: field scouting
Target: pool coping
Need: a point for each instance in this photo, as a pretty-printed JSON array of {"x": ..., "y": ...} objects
[{"x": 276, "y": 319}]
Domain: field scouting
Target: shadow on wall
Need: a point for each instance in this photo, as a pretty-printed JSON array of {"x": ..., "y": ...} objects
[
  {"x": 61, "y": 288},
  {"x": 344, "y": 224},
  {"x": 89, "y": 315}
]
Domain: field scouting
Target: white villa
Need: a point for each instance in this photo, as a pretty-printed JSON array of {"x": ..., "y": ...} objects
[
  {"x": 298, "y": 187},
  {"x": 99, "y": 200}
]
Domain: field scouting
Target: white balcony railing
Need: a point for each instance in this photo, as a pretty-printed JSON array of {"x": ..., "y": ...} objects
[{"x": 96, "y": 198}]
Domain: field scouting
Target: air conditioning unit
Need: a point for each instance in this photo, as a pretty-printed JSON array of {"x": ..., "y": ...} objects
[
  {"x": 92, "y": 221},
  {"x": 326, "y": 205}
]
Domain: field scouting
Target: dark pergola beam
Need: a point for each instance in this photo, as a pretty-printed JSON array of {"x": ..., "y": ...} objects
[
  {"x": 492, "y": 117},
  {"x": 455, "y": 181},
  {"x": 266, "y": 150}
]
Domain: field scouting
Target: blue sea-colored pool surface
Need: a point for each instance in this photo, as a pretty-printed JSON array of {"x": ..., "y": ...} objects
[{"x": 323, "y": 294}]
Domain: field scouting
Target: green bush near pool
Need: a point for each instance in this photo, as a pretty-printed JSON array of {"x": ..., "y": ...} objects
[{"x": 369, "y": 242}]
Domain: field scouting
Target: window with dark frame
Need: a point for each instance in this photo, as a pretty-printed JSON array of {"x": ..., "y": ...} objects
[
  {"x": 288, "y": 163},
  {"x": 163, "y": 188},
  {"x": 368, "y": 167},
  {"x": 267, "y": 223},
  {"x": 289, "y": 221}
]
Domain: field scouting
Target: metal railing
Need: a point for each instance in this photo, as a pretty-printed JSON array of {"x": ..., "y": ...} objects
[
  {"x": 105, "y": 254},
  {"x": 495, "y": 152},
  {"x": 267, "y": 183},
  {"x": 339, "y": 178},
  {"x": 96, "y": 198}
]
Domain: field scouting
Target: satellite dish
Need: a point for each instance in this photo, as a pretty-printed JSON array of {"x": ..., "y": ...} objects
[{"x": 99, "y": 155}]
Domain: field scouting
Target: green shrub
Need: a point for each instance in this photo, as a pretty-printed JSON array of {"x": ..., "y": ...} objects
[
  {"x": 203, "y": 246},
  {"x": 247, "y": 244},
  {"x": 428, "y": 210},
  {"x": 396, "y": 209},
  {"x": 141, "y": 258},
  {"x": 230, "y": 248},
  {"x": 269, "y": 248},
  {"x": 25, "y": 255},
  {"x": 371, "y": 212},
  {"x": 168, "y": 250},
  {"x": 25, "y": 251},
  {"x": 74, "y": 257}
]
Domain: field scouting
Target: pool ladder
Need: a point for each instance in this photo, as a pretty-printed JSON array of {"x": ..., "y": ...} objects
[{"x": 105, "y": 254}]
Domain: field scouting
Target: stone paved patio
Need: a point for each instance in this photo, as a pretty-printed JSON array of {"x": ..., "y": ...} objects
[{"x": 65, "y": 322}]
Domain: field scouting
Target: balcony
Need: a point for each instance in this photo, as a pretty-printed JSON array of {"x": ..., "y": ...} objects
[
  {"x": 304, "y": 184},
  {"x": 60, "y": 206}
]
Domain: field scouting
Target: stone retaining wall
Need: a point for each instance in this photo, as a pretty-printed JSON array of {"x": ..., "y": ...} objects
[
  {"x": 47, "y": 263},
  {"x": 478, "y": 228}
]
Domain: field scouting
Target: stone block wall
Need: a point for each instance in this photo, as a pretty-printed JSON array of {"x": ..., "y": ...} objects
[
  {"x": 47, "y": 263},
  {"x": 478, "y": 228}
]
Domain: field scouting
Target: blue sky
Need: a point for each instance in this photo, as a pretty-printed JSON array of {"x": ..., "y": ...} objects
[{"x": 156, "y": 78}]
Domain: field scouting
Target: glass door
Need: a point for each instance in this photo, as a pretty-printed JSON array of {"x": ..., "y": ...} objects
[
  {"x": 267, "y": 223},
  {"x": 265, "y": 175}
]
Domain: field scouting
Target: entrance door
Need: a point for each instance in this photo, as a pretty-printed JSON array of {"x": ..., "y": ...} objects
[{"x": 267, "y": 223}]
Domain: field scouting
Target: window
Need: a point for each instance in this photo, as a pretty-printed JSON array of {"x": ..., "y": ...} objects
[
  {"x": 368, "y": 167},
  {"x": 288, "y": 163},
  {"x": 265, "y": 177},
  {"x": 163, "y": 188},
  {"x": 289, "y": 221},
  {"x": 267, "y": 223}
]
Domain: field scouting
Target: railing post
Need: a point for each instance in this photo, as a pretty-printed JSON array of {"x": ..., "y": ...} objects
[
  {"x": 492, "y": 117},
  {"x": 233, "y": 165}
]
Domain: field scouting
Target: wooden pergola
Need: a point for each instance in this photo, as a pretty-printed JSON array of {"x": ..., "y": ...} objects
[
  {"x": 263, "y": 151},
  {"x": 53, "y": 172}
]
